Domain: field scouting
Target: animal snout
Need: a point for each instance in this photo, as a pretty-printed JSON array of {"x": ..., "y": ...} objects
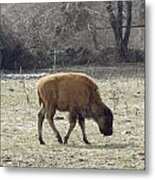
[{"x": 108, "y": 133}]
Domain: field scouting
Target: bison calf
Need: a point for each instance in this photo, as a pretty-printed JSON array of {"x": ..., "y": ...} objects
[{"x": 76, "y": 93}]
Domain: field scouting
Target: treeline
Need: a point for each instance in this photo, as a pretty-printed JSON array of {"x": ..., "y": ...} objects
[{"x": 70, "y": 33}]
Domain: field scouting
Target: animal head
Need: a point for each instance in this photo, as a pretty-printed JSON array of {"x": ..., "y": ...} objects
[{"x": 104, "y": 120}]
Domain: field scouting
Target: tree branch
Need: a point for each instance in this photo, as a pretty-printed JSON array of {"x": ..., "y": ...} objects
[
  {"x": 111, "y": 16},
  {"x": 119, "y": 19}
]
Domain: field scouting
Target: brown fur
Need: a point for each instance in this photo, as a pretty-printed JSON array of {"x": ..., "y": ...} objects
[{"x": 73, "y": 92}]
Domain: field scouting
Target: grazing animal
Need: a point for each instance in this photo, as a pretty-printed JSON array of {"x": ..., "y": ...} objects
[{"x": 76, "y": 93}]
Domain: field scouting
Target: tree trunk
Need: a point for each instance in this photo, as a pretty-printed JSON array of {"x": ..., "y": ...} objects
[
  {"x": 119, "y": 33},
  {"x": 128, "y": 24},
  {"x": 116, "y": 22}
]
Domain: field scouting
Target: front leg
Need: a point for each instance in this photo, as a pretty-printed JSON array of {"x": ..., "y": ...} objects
[
  {"x": 72, "y": 121},
  {"x": 81, "y": 121}
]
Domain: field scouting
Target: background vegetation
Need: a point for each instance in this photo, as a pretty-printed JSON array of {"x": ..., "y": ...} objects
[{"x": 43, "y": 35}]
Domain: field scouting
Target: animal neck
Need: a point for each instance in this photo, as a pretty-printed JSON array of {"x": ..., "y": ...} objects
[{"x": 98, "y": 110}]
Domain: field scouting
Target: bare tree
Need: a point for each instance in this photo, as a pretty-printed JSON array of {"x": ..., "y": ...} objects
[{"x": 116, "y": 21}]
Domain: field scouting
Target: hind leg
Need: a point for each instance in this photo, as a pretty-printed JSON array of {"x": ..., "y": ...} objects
[
  {"x": 50, "y": 115},
  {"x": 81, "y": 121},
  {"x": 41, "y": 117}
]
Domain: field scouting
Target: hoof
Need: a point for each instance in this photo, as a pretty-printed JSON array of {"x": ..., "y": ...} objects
[
  {"x": 87, "y": 142},
  {"x": 59, "y": 139},
  {"x": 42, "y": 142},
  {"x": 65, "y": 140}
]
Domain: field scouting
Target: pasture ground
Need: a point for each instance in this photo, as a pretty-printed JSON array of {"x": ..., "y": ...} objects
[{"x": 121, "y": 88}]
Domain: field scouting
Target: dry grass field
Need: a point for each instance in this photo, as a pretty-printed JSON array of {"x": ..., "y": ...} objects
[{"x": 121, "y": 88}]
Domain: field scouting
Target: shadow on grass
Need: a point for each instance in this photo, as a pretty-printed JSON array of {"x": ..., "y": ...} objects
[{"x": 105, "y": 146}]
